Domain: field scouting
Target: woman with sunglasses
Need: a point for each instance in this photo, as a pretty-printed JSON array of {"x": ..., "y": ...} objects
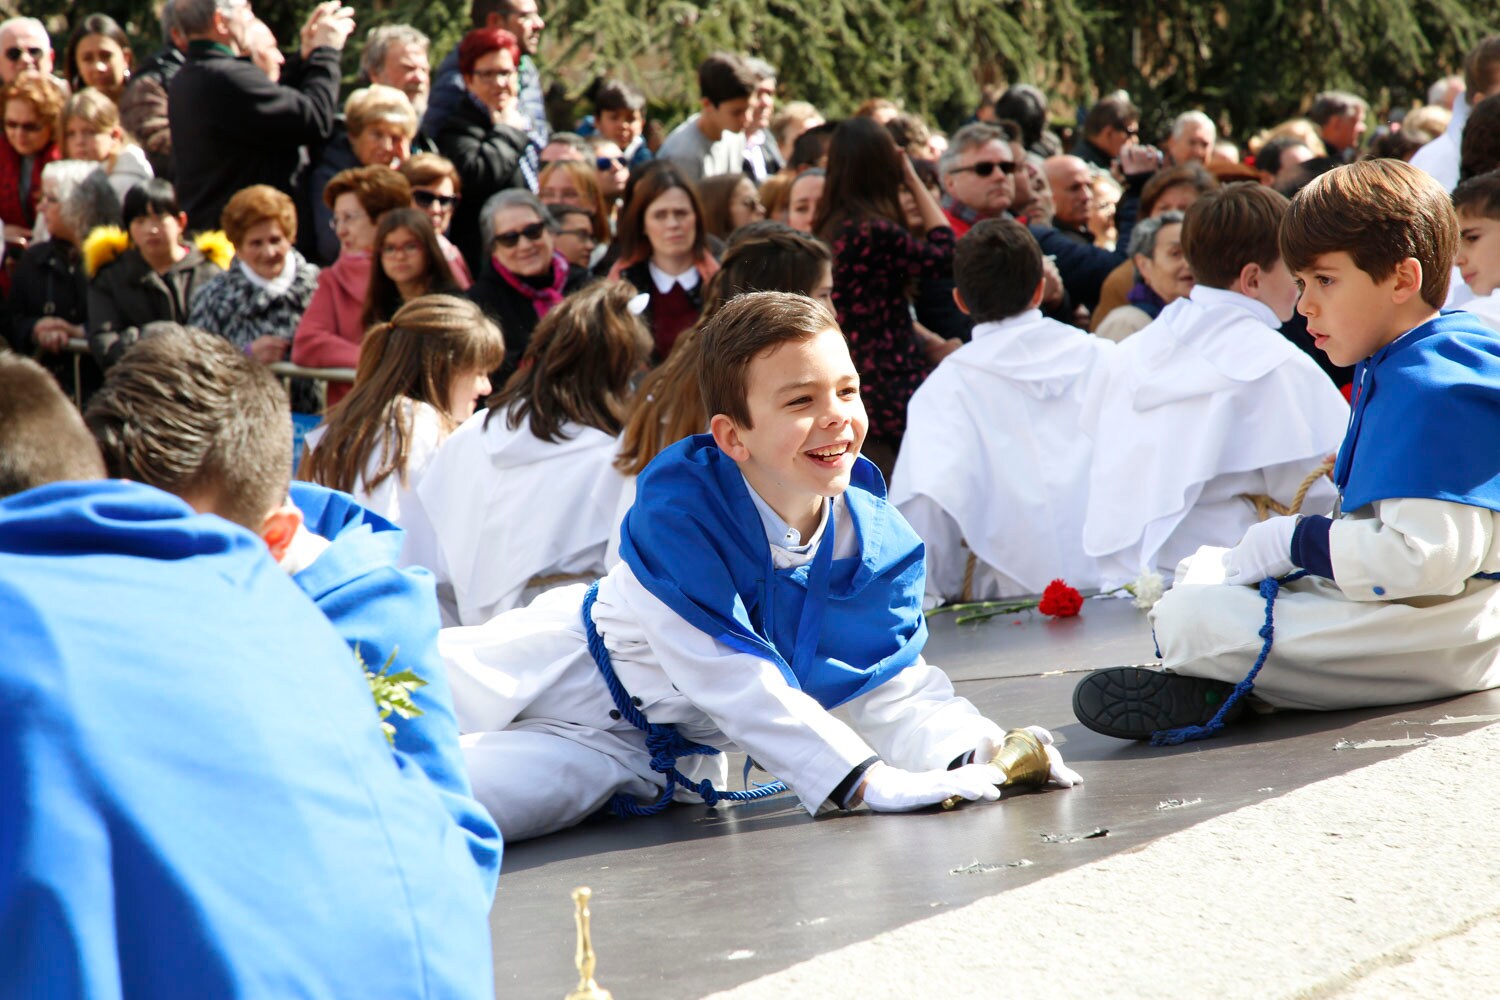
[
  {"x": 876, "y": 261},
  {"x": 32, "y": 104},
  {"x": 435, "y": 187},
  {"x": 485, "y": 136},
  {"x": 525, "y": 277}
]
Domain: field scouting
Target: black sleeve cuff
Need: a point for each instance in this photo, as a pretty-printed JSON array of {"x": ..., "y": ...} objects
[
  {"x": 841, "y": 792},
  {"x": 1310, "y": 546}
]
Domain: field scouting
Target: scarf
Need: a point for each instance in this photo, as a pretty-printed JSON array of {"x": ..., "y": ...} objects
[
  {"x": 1144, "y": 298},
  {"x": 542, "y": 298}
]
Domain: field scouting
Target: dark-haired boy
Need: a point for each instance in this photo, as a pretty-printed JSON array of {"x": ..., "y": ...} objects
[
  {"x": 712, "y": 142},
  {"x": 620, "y": 117},
  {"x": 1208, "y": 405},
  {"x": 187, "y": 413},
  {"x": 765, "y": 580},
  {"x": 993, "y": 462},
  {"x": 198, "y": 798},
  {"x": 1399, "y": 601},
  {"x": 1477, "y": 203}
]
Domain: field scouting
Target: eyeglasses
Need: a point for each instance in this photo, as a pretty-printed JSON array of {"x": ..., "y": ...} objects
[
  {"x": 986, "y": 167},
  {"x": 609, "y": 163},
  {"x": 28, "y": 127},
  {"x": 532, "y": 232},
  {"x": 427, "y": 199},
  {"x": 586, "y": 235},
  {"x": 751, "y": 203},
  {"x": 400, "y": 249},
  {"x": 346, "y": 220},
  {"x": 14, "y": 53},
  {"x": 492, "y": 75}
]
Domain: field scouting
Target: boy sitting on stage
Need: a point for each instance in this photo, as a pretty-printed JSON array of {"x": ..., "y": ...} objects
[
  {"x": 993, "y": 462},
  {"x": 1395, "y": 599},
  {"x": 765, "y": 580},
  {"x": 187, "y": 413},
  {"x": 1208, "y": 406}
]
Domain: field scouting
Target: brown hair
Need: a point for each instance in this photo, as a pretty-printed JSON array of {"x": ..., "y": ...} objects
[
  {"x": 586, "y": 180},
  {"x": 1479, "y": 149},
  {"x": 1482, "y": 67},
  {"x": 1479, "y": 196},
  {"x": 382, "y": 297},
  {"x": 431, "y": 341},
  {"x": 422, "y": 169},
  {"x": 42, "y": 439},
  {"x": 256, "y": 204},
  {"x": 91, "y": 106},
  {"x": 44, "y": 96},
  {"x": 864, "y": 178},
  {"x": 379, "y": 189},
  {"x": 1225, "y": 230},
  {"x": 579, "y": 365},
  {"x": 186, "y": 412},
  {"x": 1379, "y": 212},
  {"x": 718, "y": 197},
  {"x": 1191, "y": 175},
  {"x": 656, "y": 179},
  {"x": 997, "y": 266},
  {"x": 748, "y": 327},
  {"x": 669, "y": 401},
  {"x": 776, "y": 192}
]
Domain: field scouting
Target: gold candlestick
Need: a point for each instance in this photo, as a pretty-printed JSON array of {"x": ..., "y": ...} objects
[
  {"x": 1020, "y": 762},
  {"x": 584, "y": 957}
]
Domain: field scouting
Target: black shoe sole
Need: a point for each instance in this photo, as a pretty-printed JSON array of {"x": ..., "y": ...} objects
[{"x": 1132, "y": 703}]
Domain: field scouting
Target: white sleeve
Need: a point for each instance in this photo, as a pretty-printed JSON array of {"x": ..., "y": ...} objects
[
  {"x": 916, "y": 721},
  {"x": 1410, "y": 548},
  {"x": 786, "y": 731},
  {"x": 947, "y": 556}
]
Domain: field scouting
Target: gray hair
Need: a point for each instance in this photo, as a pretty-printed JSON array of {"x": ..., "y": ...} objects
[
  {"x": 169, "y": 21},
  {"x": 12, "y": 23},
  {"x": 1182, "y": 121},
  {"x": 971, "y": 136},
  {"x": 760, "y": 67},
  {"x": 87, "y": 201},
  {"x": 1143, "y": 236},
  {"x": 511, "y": 198},
  {"x": 1333, "y": 104},
  {"x": 196, "y": 17},
  {"x": 379, "y": 42}
]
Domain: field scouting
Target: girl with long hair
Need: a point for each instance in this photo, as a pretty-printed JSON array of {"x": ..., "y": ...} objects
[
  {"x": 522, "y": 497},
  {"x": 420, "y": 379},
  {"x": 409, "y": 263}
]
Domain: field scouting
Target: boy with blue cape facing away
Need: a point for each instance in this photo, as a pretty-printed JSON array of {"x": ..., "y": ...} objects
[
  {"x": 1393, "y": 598},
  {"x": 765, "y": 581},
  {"x": 199, "y": 798}
]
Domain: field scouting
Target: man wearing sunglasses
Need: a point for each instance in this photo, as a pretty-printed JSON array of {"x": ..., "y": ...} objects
[
  {"x": 1110, "y": 126},
  {"x": 978, "y": 176},
  {"x": 24, "y": 48}
]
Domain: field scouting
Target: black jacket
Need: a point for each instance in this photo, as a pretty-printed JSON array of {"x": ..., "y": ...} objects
[
  {"x": 127, "y": 294},
  {"x": 513, "y": 311},
  {"x": 488, "y": 158},
  {"x": 232, "y": 127},
  {"x": 49, "y": 281}
]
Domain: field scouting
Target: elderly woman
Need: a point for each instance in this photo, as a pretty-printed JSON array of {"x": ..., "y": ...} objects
[
  {"x": 49, "y": 301},
  {"x": 380, "y": 124},
  {"x": 331, "y": 330},
  {"x": 32, "y": 103},
  {"x": 1162, "y": 276},
  {"x": 485, "y": 137},
  {"x": 257, "y": 302},
  {"x": 435, "y": 189},
  {"x": 525, "y": 276},
  {"x": 91, "y": 131}
]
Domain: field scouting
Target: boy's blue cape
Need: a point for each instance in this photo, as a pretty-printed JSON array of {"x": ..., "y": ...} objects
[
  {"x": 836, "y": 629},
  {"x": 1426, "y": 418},
  {"x": 382, "y": 609},
  {"x": 198, "y": 798}
]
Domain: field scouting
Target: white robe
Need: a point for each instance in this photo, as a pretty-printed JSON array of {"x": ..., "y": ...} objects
[
  {"x": 499, "y": 508},
  {"x": 1207, "y": 403},
  {"x": 388, "y": 498},
  {"x": 1486, "y": 308},
  {"x": 994, "y": 461},
  {"x": 1402, "y": 621},
  {"x": 1441, "y": 157},
  {"x": 543, "y": 752}
]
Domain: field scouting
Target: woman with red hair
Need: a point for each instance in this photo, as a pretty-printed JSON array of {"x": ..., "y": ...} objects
[{"x": 485, "y": 137}]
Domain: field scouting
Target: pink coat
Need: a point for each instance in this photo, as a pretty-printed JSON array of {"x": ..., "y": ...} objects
[{"x": 330, "y": 332}]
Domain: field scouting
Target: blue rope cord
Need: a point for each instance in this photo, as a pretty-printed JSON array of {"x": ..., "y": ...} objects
[
  {"x": 1269, "y": 589},
  {"x": 665, "y": 744}
]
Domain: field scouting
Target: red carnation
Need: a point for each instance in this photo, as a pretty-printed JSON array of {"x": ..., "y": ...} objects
[{"x": 1060, "y": 600}]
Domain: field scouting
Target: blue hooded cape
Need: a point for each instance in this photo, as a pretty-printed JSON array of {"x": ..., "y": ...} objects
[
  {"x": 1425, "y": 418},
  {"x": 381, "y": 609},
  {"x": 836, "y": 629},
  {"x": 198, "y": 798}
]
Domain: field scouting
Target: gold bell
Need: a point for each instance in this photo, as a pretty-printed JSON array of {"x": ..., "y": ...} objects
[
  {"x": 584, "y": 958},
  {"x": 1020, "y": 762}
]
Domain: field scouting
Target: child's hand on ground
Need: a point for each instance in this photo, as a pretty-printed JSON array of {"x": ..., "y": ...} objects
[{"x": 890, "y": 789}]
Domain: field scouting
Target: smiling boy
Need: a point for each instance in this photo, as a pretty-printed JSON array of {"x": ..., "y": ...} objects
[
  {"x": 765, "y": 581},
  {"x": 1397, "y": 601}
]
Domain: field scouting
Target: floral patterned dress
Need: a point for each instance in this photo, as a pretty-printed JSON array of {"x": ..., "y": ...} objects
[{"x": 874, "y": 262}]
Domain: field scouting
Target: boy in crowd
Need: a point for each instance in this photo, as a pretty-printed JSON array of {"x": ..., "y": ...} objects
[
  {"x": 993, "y": 467},
  {"x": 1208, "y": 405},
  {"x": 1395, "y": 597},
  {"x": 765, "y": 580},
  {"x": 199, "y": 800},
  {"x": 190, "y": 415},
  {"x": 712, "y": 142},
  {"x": 1477, "y": 202},
  {"x": 620, "y": 117}
]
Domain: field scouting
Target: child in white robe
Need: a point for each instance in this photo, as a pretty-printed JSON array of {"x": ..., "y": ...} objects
[
  {"x": 993, "y": 462},
  {"x": 765, "y": 581},
  {"x": 1477, "y": 202},
  {"x": 1209, "y": 404},
  {"x": 521, "y": 498},
  {"x": 1394, "y": 600}
]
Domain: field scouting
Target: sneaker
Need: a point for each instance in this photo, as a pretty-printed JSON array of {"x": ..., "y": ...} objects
[{"x": 1132, "y": 703}]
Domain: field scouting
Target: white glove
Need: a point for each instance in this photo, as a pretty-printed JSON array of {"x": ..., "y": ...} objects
[
  {"x": 890, "y": 789},
  {"x": 1264, "y": 552},
  {"x": 1058, "y": 773}
]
